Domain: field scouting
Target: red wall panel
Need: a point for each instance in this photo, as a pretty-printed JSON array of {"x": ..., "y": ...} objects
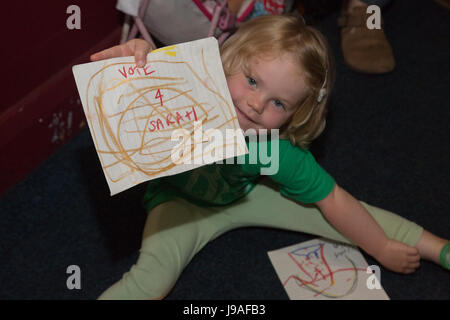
[
  {"x": 37, "y": 43},
  {"x": 40, "y": 109}
]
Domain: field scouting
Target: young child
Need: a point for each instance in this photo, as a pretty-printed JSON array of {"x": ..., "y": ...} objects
[{"x": 279, "y": 74}]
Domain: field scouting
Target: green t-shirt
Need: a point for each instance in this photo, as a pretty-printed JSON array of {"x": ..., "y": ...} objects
[{"x": 299, "y": 177}]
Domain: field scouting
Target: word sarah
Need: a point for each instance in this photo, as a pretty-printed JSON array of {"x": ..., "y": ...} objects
[
  {"x": 158, "y": 124},
  {"x": 73, "y": 281},
  {"x": 130, "y": 71},
  {"x": 217, "y": 144},
  {"x": 373, "y": 281},
  {"x": 74, "y": 20}
]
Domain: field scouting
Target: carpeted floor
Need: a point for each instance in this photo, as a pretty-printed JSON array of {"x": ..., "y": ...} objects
[{"x": 387, "y": 143}]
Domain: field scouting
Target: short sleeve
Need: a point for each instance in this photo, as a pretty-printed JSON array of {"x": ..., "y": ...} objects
[{"x": 299, "y": 175}]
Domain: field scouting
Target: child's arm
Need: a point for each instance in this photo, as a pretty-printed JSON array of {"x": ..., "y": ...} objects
[
  {"x": 351, "y": 219},
  {"x": 137, "y": 47}
]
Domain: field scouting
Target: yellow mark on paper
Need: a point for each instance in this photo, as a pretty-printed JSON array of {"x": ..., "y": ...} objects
[{"x": 167, "y": 50}]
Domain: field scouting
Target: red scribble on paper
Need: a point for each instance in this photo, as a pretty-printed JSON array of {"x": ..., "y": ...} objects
[{"x": 316, "y": 274}]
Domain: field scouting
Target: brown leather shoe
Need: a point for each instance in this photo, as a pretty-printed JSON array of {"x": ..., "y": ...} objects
[
  {"x": 444, "y": 3},
  {"x": 364, "y": 50}
]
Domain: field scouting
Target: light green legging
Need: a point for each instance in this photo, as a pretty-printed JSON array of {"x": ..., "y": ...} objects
[{"x": 176, "y": 230}]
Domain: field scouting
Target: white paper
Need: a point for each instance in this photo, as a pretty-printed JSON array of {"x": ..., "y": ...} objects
[
  {"x": 132, "y": 112},
  {"x": 322, "y": 270}
]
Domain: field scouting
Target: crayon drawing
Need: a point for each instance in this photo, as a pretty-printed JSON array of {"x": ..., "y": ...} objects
[
  {"x": 132, "y": 112},
  {"x": 321, "y": 269}
]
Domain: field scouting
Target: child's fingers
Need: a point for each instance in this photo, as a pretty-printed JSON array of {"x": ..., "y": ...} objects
[
  {"x": 140, "y": 59},
  {"x": 141, "y": 49},
  {"x": 113, "y": 52},
  {"x": 137, "y": 47}
]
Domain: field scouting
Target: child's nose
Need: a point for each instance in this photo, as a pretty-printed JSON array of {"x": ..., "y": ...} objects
[{"x": 255, "y": 102}]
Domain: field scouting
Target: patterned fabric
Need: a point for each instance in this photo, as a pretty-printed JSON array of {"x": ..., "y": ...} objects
[{"x": 265, "y": 7}]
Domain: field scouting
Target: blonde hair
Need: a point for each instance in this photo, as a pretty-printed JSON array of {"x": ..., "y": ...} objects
[{"x": 277, "y": 35}]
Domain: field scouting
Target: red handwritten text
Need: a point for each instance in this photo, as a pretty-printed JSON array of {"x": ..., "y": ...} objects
[
  {"x": 130, "y": 71},
  {"x": 170, "y": 119}
]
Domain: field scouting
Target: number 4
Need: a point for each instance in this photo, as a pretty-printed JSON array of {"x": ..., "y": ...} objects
[{"x": 159, "y": 96}]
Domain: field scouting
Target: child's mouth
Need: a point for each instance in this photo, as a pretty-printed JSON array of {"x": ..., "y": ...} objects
[{"x": 243, "y": 115}]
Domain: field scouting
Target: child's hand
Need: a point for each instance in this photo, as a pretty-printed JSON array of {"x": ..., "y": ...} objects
[
  {"x": 399, "y": 257},
  {"x": 137, "y": 47}
]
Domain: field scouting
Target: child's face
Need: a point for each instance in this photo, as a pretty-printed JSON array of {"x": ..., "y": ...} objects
[{"x": 267, "y": 95}]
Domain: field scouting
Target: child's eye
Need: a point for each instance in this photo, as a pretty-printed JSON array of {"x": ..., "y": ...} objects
[
  {"x": 251, "y": 81},
  {"x": 278, "y": 104}
]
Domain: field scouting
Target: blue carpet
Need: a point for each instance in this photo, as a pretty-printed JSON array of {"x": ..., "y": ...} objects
[{"x": 387, "y": 142}]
